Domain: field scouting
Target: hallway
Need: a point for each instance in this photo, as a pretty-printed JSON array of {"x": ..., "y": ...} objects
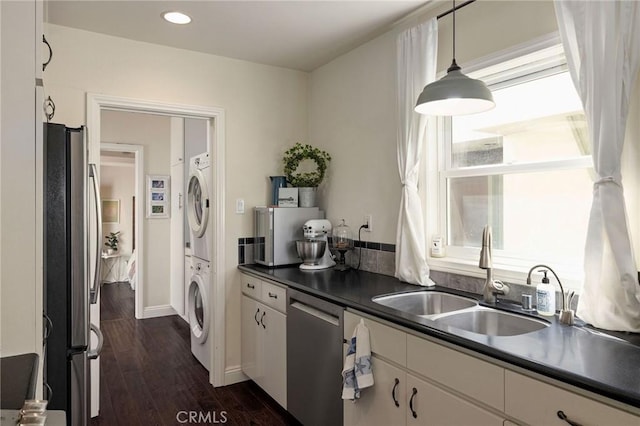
[{"x": 148, "y": 375}]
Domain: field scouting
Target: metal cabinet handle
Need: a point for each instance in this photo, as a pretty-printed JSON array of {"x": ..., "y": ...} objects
[
  {"x": 95, "y": 353},
  {"x": 49, "y": 108},
  {"x": 48, "y": 392},
  {"x": 563, "y": 416},
  {"x": 47, "y": 327},
  {"x": 251, "y": 285},
  {"x": 273, "y": 295},
  {"x": 44, "y": 40},
  {"x": 255, "y": 317},
  {"x": 95, "y": 288},
  {"x": 262, "y": 320},
  {"x": 393, "y": 392},
  {"x": 179, "y": 200},
  {"x": 413, "y": 412}
]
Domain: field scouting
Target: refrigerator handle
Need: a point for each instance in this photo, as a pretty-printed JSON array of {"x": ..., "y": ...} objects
[
  {"x": 95, "y": 353},
  {"x": 95, "y": 288}
]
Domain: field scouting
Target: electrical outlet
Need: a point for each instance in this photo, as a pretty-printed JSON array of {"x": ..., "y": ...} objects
[{"x": 368, "y": 220}]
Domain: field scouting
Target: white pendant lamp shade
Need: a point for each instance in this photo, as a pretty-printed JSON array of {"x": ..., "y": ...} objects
[{"x": 455, "y": 94}]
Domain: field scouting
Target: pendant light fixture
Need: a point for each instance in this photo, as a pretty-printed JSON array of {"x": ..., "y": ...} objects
[{"x": 455, "y": 93}]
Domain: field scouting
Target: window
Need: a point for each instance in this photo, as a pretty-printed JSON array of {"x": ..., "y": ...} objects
[{"x": 524, "y": 168}]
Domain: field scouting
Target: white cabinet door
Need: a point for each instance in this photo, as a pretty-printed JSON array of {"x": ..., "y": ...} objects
[
  {"x": 273, "y": 332},
  {"x": 538, "y": 403},
  {"x": 249, "y": 325},
  {"x": 429, "y": 404},
  {"x": 264, "y": 348},
  {"x": 383, "y": 404}
]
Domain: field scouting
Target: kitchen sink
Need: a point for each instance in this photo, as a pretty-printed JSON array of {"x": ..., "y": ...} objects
[
  {"x": 492, "y": 322},
  {"x": 425, "y": 303}
]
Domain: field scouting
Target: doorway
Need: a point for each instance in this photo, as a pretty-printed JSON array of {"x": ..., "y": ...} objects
[
  {"x": 216, "y": 144},
  {"x": 121, "y": 175}
]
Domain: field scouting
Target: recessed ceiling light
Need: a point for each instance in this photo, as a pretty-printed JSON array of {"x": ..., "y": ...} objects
[{"x": 176, "y": 17}]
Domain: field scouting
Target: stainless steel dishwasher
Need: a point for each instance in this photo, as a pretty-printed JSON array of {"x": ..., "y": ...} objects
[{"x": 314, "y": 359}]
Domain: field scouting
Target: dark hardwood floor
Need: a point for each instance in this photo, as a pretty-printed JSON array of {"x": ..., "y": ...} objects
[{"x": 148, "y": 375}]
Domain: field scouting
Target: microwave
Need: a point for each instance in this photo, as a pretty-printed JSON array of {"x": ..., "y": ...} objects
[{"x": 276, "y": 232}]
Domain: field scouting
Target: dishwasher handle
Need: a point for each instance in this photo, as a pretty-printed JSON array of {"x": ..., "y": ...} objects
[{"x": 331, "y": 319}]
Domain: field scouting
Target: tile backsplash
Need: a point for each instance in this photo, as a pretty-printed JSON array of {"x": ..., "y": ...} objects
[
  {"x": 245, "y": 250},
  {"x": 376, "y": 257},
  {"x": 381, "y": 258}
]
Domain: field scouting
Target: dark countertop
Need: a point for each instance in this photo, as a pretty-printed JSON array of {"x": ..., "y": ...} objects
[
  {"x": 18, "y": 375},
  {"x": 577, "y": 355}
]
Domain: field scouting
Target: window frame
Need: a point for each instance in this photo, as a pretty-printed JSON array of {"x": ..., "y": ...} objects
[{"x": 437, "y": 170}]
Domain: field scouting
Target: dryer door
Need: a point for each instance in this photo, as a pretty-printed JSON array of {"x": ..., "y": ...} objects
[
  {"x": 197, "y": 203},
  {"x": 198, "y": 308}
]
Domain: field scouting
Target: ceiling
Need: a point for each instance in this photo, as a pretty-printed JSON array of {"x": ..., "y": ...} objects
[{"x": 299, "y": 34}]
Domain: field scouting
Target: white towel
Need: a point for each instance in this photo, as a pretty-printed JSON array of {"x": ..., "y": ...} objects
[{"x": 357, "y": 373}]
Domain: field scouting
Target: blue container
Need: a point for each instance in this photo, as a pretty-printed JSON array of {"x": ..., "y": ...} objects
[{"x": 277, "y": 182}]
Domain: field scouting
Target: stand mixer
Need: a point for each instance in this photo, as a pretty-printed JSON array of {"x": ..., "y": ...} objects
[{"x": 316, "y": 230}]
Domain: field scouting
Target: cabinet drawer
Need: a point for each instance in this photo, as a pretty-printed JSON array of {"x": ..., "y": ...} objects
[
  {"x": 430, "y": 405},
  {"x": 537, "y": 403},
  {"x": 385, "y": 341},
  {"x": 251, "y": 286},
  {"x": 473, "y": 377},
  {"x": 274, "y": 296}
]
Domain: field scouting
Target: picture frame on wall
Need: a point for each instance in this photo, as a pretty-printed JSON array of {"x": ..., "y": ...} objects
[
  {"x": 110, "y": 211},
  {"x": 158, "y": 196}
]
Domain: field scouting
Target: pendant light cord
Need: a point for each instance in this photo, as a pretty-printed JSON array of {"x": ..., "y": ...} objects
[
  {"x": 454, "y": 31},
  {"x": 454, "y": 65}
]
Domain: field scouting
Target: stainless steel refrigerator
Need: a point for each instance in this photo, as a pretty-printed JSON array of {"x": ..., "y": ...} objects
[{"x": 68, "y": 288}]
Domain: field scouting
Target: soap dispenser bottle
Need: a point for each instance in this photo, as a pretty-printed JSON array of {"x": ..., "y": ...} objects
[{"x": 545, "y": 296}]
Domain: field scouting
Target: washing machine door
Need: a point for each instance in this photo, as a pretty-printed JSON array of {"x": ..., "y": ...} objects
[
  {"x": 198, "y": 308},
  {"x": 197, "y": 203}
]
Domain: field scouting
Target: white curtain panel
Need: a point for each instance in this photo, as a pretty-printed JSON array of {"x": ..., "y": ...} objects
[
  {"x": 416, "y": 66},
  {"x": 602, "y": 42}
]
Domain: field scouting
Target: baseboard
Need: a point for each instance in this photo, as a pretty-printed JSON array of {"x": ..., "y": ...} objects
[
  {"x": 158, "y": 311},
  {"x": 234, "y": 375}
]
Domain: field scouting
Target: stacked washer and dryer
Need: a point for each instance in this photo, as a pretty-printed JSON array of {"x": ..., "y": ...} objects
[{"x": 199, "y": 306}]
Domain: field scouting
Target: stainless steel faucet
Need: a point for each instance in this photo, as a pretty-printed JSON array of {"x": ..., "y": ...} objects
[{"x": 492, "y": 287}]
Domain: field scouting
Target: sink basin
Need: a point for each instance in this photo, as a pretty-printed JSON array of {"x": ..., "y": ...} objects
[
  {"x": 492, "y": 322},
  {"x": 425, "y": 303}
]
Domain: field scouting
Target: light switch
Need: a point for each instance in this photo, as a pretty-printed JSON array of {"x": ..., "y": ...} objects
[{"x": 240, "y": 206}]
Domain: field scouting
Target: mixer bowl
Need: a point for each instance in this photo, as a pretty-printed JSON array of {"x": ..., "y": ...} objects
[{"x": 311, "y": 251}]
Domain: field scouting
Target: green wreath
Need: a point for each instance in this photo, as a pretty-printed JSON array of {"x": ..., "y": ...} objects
[{"x": 292, "y": 158}]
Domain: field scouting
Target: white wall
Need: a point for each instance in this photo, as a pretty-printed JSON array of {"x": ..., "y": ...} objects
[
  {"x": 153, "y": 132},
  {"x": 352, "y": 116},
  {"x": 266, "y": 112}
]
